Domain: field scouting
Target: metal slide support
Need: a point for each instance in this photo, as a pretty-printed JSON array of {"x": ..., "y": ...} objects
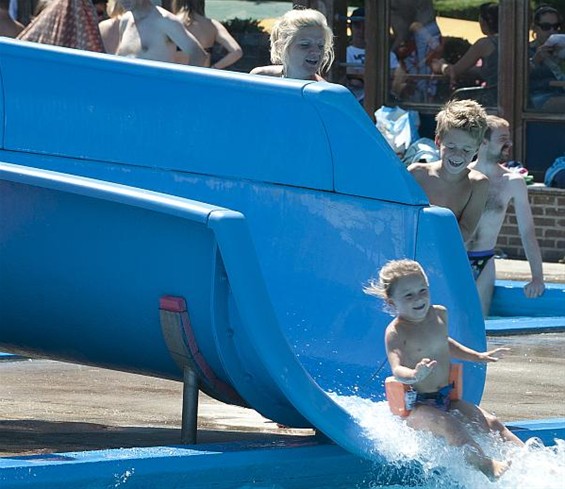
[{"x": 189, "y": 407}]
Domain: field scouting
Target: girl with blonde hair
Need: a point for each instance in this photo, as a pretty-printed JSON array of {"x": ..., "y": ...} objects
[{"x": 301, "y": 46}]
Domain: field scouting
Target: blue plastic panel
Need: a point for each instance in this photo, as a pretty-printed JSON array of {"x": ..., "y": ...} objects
[
  {"x": 100, "y": 107},
  {"x": 297, "y": 463},
  {"x": 524, "y": 325},
  {"x": 295, "y": 202},
  {"x": 81, "y": 275},
  {"x": 166, "y": 116},
  {"x": 441, "y": 252},
  {"x": 509, "y": 300}
]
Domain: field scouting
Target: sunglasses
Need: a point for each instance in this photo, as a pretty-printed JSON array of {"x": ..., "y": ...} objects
[{"x": 546, "y": 26}]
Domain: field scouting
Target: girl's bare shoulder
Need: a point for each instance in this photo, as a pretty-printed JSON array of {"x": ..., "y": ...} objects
[{"x": 272, "y": 70}]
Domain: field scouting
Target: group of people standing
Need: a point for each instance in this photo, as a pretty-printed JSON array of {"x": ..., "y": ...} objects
[
  {"x": 132, "y": 28},
  {"x": 301, "y": 41},
  {"x": 138, "y": 28}
]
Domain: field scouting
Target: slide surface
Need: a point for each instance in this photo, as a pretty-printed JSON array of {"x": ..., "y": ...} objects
[{"x": 265, "y": 204}]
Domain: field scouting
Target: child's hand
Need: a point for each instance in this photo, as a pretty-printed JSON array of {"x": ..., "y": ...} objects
[
  {"x": 494, "y": 355},
  {"x": 424, "y": 368}
]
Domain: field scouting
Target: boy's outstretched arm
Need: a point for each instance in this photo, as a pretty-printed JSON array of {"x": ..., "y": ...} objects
[{"x": 461, "y": 352}]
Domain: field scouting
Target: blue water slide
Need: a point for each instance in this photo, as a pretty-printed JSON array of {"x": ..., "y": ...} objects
[{"x": 264, "y": 204}]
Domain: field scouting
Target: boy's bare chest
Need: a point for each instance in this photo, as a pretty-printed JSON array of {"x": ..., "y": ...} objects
[
  {"x": 453, "y": 195},
  {"x": 424, "y": 344}
]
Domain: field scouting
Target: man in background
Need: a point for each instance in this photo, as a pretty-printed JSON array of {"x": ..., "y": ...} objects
[{"x": 504, "y": 186}]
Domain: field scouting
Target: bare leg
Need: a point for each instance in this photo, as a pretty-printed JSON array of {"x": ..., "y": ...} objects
[
  {"x": 427, "y": 418},
  {"x": 485, "y": 286},
  {"x": 485, "y": 420}
]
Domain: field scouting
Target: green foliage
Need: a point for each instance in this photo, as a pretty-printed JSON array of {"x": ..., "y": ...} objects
[
  {"x": 469, "y": 9},
  {"x": 458, "y": 9},
  {"x": 243, "y": 26},
  {"x": 558, "y": 4}
]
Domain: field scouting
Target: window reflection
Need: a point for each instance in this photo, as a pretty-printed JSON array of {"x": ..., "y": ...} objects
[
  {"x": 442, "y": 58},
  {"x": 546, "y": 52},
  {"x": 417, "y": 43}
]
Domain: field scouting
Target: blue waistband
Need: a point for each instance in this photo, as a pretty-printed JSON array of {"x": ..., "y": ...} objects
[
  {"x": 481, "y": 254},
  {"x": 438, "y": 395}
]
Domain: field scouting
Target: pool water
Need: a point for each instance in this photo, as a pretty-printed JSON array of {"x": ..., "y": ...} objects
[{"x": 229, "y": 9}]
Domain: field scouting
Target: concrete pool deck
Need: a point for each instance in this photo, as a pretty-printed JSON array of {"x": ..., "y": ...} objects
[
  {"x": 520, "y": 270},
  {"x": 48, "y": 406}
]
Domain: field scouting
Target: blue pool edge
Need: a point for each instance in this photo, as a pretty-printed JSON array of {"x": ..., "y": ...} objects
[{"x": 237, "y": 463}]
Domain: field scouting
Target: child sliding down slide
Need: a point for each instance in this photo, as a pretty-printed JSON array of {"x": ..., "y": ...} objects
[{"x": 419, "y": 351}]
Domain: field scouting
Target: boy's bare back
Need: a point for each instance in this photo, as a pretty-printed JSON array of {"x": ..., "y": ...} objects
[{"x": 150, "y": 32}]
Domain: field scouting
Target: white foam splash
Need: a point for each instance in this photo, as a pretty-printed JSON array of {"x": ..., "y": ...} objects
[
  {"x": 534, "y": 466},
  {"x": 124, "y": 477}
]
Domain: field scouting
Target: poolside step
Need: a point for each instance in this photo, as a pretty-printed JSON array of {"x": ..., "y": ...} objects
[
  {"x": 524, "y": 325},
  {"x": 509, "y": 300}
]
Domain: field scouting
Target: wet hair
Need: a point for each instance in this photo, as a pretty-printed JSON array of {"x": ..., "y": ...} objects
[
  {"x": 191, "y": 6},
  {"x": 545, "y": 9},
  {"x": 286, "y": 28},
  {"x": 466, "y": 115},
  {"x": 494, "y": 122},
  {"x": 489, "y": 13},
  {"x": 389, "y": 275}
]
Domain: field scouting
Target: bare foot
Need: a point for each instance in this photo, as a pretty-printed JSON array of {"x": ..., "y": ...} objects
[{"x": 495, "y": 469}]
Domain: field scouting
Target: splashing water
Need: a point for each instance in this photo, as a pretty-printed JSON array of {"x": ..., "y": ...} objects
[
  {"x": 534, "y": 466},
  {"x": 123, "y": 478}
]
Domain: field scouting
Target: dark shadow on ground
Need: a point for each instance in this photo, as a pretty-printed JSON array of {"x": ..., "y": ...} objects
[{"x": 31, "y": 437}]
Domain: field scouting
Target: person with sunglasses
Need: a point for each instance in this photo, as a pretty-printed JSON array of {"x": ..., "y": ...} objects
[{"x": 544, "y": 67}]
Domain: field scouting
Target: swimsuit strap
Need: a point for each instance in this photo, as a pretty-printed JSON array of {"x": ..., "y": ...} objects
[{"x": 478, "y": 261}]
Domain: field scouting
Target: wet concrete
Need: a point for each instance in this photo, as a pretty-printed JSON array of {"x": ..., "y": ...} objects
[
  {"x": 48, "y": 406},
  {"x": 529, "y": 382}
]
